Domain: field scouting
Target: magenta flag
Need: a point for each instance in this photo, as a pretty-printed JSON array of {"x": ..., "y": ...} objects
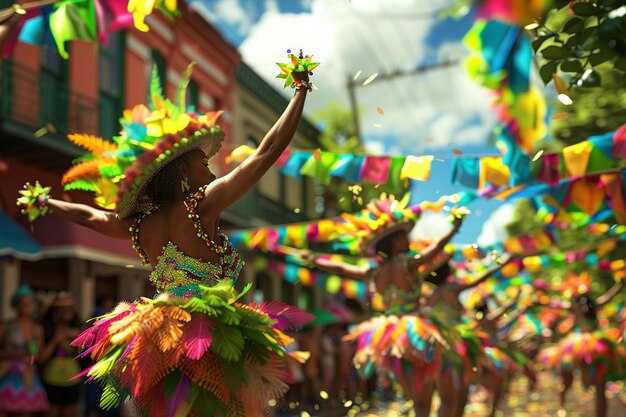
[
  {"x": 375, "y": 169},
  {"x": 120, "y": 18}
]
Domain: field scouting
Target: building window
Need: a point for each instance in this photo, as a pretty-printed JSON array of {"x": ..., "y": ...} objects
[
  {"x": 53, "y": 90},
  {"x": 110, "y": 84},
  {"x": 192, "y": 96}
]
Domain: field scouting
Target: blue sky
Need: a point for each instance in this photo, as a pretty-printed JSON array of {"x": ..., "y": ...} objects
[{"x": 432, "y": 113}]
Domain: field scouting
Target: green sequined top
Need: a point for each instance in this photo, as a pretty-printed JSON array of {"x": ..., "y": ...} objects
[
  {"x": 446, "y": 313},
  {"x": 397, "y": 300},
  {"x": 181, "y": 275}
]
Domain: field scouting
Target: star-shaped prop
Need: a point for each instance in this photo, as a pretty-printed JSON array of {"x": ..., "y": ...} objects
[
  {"x": 298, "y": 63},
  {"x": 30, "y": 203}
]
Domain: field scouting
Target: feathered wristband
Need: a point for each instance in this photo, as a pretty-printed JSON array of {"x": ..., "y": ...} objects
[
  {"x": 299, "y": 63},
  {"x": 34, "y": 200}
]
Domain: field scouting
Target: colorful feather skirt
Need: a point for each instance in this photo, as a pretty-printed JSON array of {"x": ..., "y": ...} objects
[
  {"x": 500, "y": 361},
  {"x": 461, "y": 363},
  {"x": 205, "y": 355},
  {"x": 602, "y": 354},
  {"x": 21, "y": 390},
  {"x": 405, "y": 345}
]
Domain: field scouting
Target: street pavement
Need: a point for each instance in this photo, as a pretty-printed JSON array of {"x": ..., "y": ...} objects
[{"x": 543, "y": 402}]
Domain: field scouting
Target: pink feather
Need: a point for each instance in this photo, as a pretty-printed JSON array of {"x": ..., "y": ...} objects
[
  {"x": 286, "y": 316},
  {"x": 198, "y": 336}
]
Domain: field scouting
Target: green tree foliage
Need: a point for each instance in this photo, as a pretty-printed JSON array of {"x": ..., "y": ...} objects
[
  {"x": 576, "y": 38},
  {"x": 339, "y": 135},
  {"x": 595, "y": 110}
]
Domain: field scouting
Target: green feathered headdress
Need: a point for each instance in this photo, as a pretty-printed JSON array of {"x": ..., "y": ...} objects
[{"x": 152, "y": 136}]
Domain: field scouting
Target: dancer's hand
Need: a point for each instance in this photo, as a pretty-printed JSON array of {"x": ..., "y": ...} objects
[
  {"x": 306, "y": 255},
  {"x": 301, "y": 76}
]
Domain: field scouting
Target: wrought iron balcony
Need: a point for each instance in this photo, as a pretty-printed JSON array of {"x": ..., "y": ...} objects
[{"x": 36, "y": 99}]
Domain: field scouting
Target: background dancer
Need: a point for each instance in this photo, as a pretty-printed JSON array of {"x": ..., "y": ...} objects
[
  {"x": 382, "y": 343},
  {"x": 599, "y": 353},
  {"x": 459, "y": 364}
]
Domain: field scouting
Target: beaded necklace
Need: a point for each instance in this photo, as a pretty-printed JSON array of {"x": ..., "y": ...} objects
[
  {"x": 191, "y": 202},
  {"x": 134, "y": 237}
]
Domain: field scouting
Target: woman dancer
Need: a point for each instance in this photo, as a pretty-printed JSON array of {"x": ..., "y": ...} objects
[
  {"x": 460, "y": 364},
  {"x": 194, "y": 350},
  {"x": 500, "y": 361},
  {"x": 61, "y": 326},
  {"x": 402, "y": 341},
  {"x": 21, "y": 391},
  {"x": 597, "y": 352}
]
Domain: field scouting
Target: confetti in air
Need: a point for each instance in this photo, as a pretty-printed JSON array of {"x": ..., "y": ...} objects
[
  {"x": 357, "y": 75},
  {"x": 370, "y": 79},
  {"x": 317, "y": 155},
  {"x": 538, "y": 155},
  {"x": 457, "y": 151},
  {"x": 380, "y": 111}
]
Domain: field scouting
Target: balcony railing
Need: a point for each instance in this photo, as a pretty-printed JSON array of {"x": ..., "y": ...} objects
[{"x": 37, "y": 99}]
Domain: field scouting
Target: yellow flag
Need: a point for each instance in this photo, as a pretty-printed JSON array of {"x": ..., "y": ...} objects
[{"x": 417, "y": 167}]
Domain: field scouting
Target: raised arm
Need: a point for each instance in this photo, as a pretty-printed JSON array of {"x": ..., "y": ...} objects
[
  {"x": 431, "y": 251},
  {"x": 516, "y": 316},
  {"x": 612, "y": 292},
  {"x": 495, "y": 315},
  {"x": 101, "y": 221},
  {"x": 430, "y": 273},
  {"x": 224, "y": 191},
  {"x": 459, "y": 289}
]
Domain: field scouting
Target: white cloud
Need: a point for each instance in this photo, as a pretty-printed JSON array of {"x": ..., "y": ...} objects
[
  {"x": 232, "y": 12},
  {"x": 431, "y": 226},
  {"x": 347, "y": 37},
  {"x": 494, "y": 230}
]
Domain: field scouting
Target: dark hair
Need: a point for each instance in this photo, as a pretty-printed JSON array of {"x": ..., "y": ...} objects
[
  {"x": 482, "y": 308},
  {"x": 587, "y": 306},
  {"x": 163, "y": 186},
  {"x": 385, "y": 245},
  {"x": 440, "y": 275}
]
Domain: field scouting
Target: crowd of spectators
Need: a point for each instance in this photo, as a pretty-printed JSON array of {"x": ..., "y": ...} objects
[{"x": 37, "y": 362}]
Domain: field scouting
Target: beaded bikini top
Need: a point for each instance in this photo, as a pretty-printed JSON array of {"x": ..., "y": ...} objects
[{"x": 179, "y": 274}]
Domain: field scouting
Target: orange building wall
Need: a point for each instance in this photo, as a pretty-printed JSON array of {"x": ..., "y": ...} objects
[{"x": 188, "y": 33}]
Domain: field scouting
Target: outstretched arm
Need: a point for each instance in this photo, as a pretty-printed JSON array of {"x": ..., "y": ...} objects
[
  {"x": 484, "y": 277},
  {"x": 340, "y": 268},
  {"x": 612, "y": 292},
  {"x": 226, "y": 190},
  {"x": 105, "y": 222},
  {"x": 431, "y": 251}
]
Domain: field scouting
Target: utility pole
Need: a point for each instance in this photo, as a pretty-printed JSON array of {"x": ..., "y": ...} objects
[
  {"x": 355, "y": 114},
  {"x": 387, "y": 77}
]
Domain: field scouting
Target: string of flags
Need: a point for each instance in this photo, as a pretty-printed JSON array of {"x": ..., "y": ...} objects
[{"x": 89, "y": 20}]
